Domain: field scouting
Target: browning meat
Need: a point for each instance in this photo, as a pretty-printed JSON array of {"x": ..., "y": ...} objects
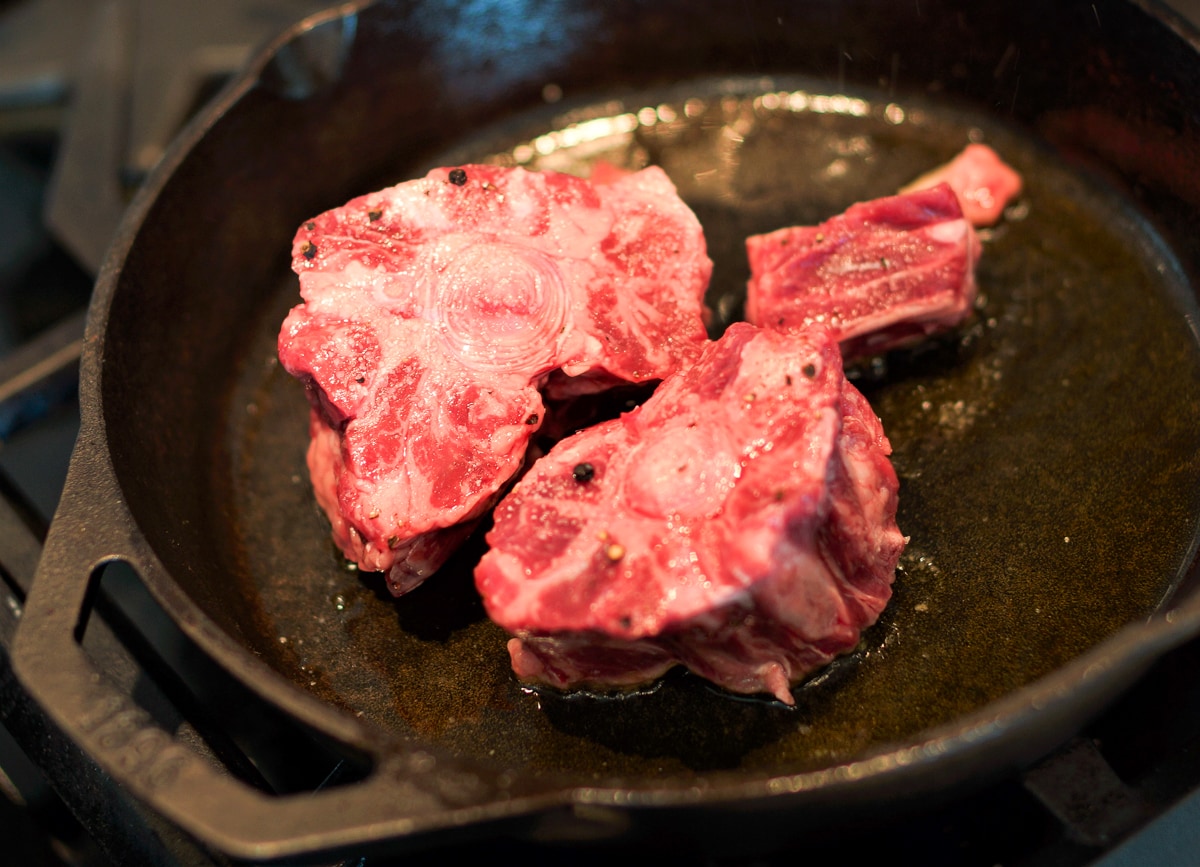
[
  {"x": 886, "y": 273},
  {"x": 434, "y": 310},
  {"x": 741, "y": 522}
]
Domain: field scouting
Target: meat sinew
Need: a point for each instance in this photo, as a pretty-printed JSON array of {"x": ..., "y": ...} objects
[
  {"x": 432, "y": 312},
  {"x": 740, "y": 522},
  {"x": 886, "y": 273}
]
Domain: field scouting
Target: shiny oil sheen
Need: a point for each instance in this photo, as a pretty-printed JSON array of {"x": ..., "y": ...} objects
[{"x": 1048, "y": 452}]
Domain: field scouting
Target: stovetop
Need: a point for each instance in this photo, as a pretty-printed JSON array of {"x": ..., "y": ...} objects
[{"x": 1126, "y": 791}]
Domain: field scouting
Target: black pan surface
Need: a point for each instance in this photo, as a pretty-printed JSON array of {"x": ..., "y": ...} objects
[
  {"x": 1049, "y": 450},
  {"x": 1044, "y": 512}
]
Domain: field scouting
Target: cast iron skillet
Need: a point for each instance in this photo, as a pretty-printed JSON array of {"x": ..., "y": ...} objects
[{"x": 1048, "y": 451}]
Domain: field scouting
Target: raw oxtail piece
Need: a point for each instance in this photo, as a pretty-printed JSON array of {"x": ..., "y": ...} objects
[
  {"x": 884, "y": 274},
  {"x": 434, "y": 310},
  {"x": 983, "y": 182},
  {"x": 741, "y": 523}
]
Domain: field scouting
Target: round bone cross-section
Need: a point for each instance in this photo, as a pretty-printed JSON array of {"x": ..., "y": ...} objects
[{"x": 501, "y": 308}]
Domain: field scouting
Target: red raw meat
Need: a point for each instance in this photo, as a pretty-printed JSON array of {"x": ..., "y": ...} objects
[
  {"x": 741, "y": 522},
  {"x": 434, "y": 310},
  {"x": 886, "y": 273},
  {"x": 983, "y": 182}
]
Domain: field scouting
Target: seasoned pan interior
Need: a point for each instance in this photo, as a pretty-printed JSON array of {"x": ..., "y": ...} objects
[{"x": 1048, "y": 451}]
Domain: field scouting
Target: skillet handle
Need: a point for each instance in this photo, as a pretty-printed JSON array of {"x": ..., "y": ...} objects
[
  {"x": 122, "y": 828},
  {"x": 406, "y": 794}
]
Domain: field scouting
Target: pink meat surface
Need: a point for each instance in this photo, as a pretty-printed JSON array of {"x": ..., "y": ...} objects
[
  {"x": 434, "y": 310},
  {"x": 886, "y": 273},
  {"x": 741, "y": 522},
  {"x": 983, "y": 182}
]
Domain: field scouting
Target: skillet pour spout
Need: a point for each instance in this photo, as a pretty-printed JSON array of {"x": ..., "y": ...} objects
[{"x": 1049, "y": 451}]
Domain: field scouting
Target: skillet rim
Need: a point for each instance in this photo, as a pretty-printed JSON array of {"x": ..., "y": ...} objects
[{"x": 1098, "y": 674}]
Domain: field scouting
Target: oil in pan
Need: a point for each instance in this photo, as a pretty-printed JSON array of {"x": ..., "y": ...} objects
[{"x": 1038, "y": 446}]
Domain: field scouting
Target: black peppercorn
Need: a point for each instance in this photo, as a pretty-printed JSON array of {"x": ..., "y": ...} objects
[
  {"x": 533, "y": 418},
  {"x": 583, "y": 472},
  {"x": 308, "y": 249},
  {"x": 458, "y": 177}
]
